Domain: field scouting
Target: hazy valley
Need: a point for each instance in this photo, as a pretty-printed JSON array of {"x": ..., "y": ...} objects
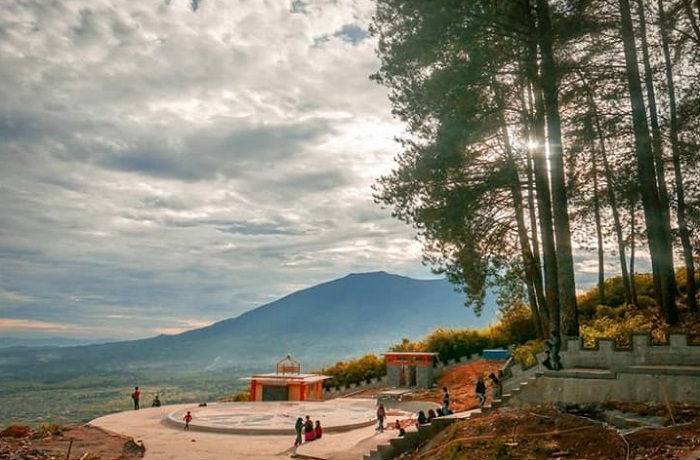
[{"x": 338, "y": 320}]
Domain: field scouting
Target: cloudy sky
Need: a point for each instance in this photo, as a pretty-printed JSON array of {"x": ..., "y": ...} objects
[{"x": 166, "y": 164}]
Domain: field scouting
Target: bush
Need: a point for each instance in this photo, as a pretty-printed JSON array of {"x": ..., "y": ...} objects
[
  {"x": 345, "y": 373},
  {"x": 455, "y": 343},
  {"x": 515, "y": 326},
  {"x": 525, "y": 353}
]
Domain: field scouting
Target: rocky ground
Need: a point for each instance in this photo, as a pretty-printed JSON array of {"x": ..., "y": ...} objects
[
  {"x": 596, "y": 432},
  {"x": 613, "y": 431},
  {"x": 547, "y": 432},
  {"x": 80, "y": 442}
]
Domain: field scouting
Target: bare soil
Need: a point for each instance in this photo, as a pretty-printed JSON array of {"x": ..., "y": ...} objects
[
  {"x": 70, "y": 443},
  {"x": 613, "y": 431}
]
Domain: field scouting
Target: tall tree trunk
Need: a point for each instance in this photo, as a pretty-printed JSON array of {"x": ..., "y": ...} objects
[
  {"x": 528, "y": 122},
  {"x": 656, "y": 138},
  {"x": 678, "y": 176},
  {"x": 532, "y": 273},
  {"x": 565, "y": 260},
  {"x": 598, "y": 230},
  {"x": 660, "y": 246},
  {"x": 617, "y": 225},
  {"x": 633, "y": 247},
  {"x": 534, "y": 229},
  {"x": 544, "y": 204}
]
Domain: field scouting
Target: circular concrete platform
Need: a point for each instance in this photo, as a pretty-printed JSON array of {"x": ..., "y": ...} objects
[{"x": 279, "y": 417}]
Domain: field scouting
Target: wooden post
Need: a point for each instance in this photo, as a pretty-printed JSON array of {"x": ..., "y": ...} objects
[{"x": 70, "y": 445}]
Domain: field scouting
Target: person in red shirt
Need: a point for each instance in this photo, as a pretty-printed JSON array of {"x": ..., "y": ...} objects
[
  {"x": 136, "y": 396},
  {"x": 187, "y": 418},
  {"x": 318, "y": 431}
]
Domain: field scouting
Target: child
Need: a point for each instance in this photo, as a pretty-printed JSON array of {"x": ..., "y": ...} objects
[
  {"x": 187, "y": 418},
  {"x": 398, "y": 426},
  {"x": 318, "y": 431}
]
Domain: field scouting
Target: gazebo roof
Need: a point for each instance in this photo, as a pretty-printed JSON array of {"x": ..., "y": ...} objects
[{"x": 288, "y": 365}]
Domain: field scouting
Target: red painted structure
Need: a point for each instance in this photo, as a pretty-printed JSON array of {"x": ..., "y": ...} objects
[
  {"x": 410, "y": 369},
  {"x": 287, "y": 384}
]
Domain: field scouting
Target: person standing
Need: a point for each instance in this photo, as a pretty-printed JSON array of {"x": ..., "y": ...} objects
[
  {"x": 136, "y": 396},
  {"x": 445, "y": 401},
  {"x": 187, "y": 418},
  {"x": 381, "y": 415},
  {"x": 298, "y": 427},
  {"x": 480, "y": 391},
  {"x": 495, "y": 386},
  {"x": 554, "y": 345}
]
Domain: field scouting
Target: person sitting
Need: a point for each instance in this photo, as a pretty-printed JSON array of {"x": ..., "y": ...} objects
[
  {"x": 422, "y": 419},
  {"x": 439, "y": 412},
  {"x": 547, "y": 362},
  {"x": 309, "y": 434},
  {"x": 318, "y": 431},
  {"x": 156, "y": 402},
  {"x": 398, "y": 426},
  {"x": 431, "y": 415}
]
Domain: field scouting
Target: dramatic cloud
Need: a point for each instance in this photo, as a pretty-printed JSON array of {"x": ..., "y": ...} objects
[{"x": 166, "y": 165}]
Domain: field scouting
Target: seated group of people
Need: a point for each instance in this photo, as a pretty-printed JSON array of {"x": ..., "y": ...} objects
[
  {"x": 424, "y": 419},
  {"x": 312, "y": 431}
]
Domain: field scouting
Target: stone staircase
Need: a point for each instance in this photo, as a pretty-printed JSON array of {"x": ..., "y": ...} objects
[
  {"x": 413, "y": 439},
  {"x": 668, "y": 372},
  {"x": 644, "y": 372}
]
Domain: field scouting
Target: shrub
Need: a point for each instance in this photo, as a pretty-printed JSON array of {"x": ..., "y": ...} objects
[{"x": 358, "y": 370}]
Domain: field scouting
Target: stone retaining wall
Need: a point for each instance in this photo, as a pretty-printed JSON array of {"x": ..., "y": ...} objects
[
  {"x": 676, "y": 352},
  {"x": 645, "y": 372}
]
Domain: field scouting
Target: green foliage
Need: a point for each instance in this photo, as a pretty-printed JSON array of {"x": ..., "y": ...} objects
[
  {"x": 51, "y": 428},
  {"x": 456, "y": 343},
  {"x": 615, "y": 296},
  {"x": 448, "y": 343},
  {"x": 515, "y": 326},
  {"x": 525, "y": 353},
  {"x": 407, "y": 346},
  {"x": 357, "y": 370},
  {"x": 619, "y": 328}
]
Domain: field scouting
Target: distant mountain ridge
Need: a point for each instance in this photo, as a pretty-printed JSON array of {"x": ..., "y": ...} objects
[{"x": 337, "y": 320}]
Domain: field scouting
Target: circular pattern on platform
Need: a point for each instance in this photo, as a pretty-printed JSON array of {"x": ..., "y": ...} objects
[{"x": 278, "y": 417}]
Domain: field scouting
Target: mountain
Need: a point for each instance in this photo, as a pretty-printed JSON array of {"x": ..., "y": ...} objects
[{"x": 338, "y": 320}]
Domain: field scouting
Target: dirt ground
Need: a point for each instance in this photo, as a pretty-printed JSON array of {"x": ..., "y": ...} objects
[
  {"x": 614, "y": 431},
  {"x": 71, "y": 443},
  {"x": 609, "y": 432},
  {"x": 545, "y": 432}
]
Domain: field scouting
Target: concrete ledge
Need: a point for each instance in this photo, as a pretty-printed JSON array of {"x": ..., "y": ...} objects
[
  {"x": 581, "y": 373},
  {"x": 661, "y": 370},
  {"x": 277, "y": 418}
]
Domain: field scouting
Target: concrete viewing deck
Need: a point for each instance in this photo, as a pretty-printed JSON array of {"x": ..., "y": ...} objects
[
  {"x": 276, "y": 417},
  {"x": 256, "y": 430}
]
